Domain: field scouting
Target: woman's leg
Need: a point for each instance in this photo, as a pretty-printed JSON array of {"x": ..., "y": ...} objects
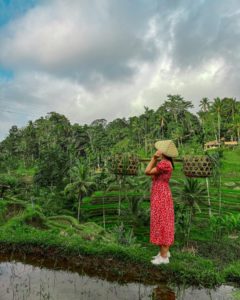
[{"x": 164, "y": 250}]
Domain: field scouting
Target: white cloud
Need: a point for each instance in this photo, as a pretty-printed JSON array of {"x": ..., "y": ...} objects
[
  {"x": 75, "y": 39},
  {"x": 33, "y": 94},
  {"x": 107, "y": 59}
]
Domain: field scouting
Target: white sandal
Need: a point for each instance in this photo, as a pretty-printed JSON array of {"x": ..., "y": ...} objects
[{"x": 160, "y": 260}]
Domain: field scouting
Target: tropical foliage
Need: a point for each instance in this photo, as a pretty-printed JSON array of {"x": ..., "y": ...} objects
[{"x": 55, "y": 163}]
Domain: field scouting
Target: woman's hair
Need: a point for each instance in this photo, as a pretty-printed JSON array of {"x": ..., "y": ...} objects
[{"x": 170, "y": 159}]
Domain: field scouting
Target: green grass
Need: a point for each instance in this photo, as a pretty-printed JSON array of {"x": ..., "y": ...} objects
[
  {"x": 94, "y": 240},
  {"x": 23, "y": 171},
  {"x": 236, "y": 295},
  {"x": 30, "y": 227}
]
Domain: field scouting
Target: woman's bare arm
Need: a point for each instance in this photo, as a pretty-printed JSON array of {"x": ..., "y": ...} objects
[{"x": 151, "y": 167}]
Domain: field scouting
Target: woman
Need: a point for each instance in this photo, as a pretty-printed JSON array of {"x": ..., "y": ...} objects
[{"x": 162, "y": 207}]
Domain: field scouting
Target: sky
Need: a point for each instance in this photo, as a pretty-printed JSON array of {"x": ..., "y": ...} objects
[{"x": 91, "y": 59}]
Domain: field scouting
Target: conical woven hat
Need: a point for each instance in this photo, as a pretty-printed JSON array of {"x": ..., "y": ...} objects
[{"x": 167, "y": 147}]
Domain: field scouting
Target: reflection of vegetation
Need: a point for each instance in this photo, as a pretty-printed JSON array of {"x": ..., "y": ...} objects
[{"x": 236, "y": 295}]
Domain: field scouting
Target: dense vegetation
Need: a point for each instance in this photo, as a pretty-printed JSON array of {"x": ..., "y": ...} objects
[{"x": 55, "y": 184}]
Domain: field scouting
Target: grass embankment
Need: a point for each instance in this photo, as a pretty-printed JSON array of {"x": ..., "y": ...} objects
[{"x": 23, "y": 228}]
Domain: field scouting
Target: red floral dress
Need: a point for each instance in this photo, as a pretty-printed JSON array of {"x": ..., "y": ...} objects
[{"x": 162, "y": 207}]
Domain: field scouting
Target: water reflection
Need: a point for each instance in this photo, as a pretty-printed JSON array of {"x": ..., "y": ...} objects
[
  {"x": 25, "y": 281},
  {"x": 19, "y": 281},
  {"x": 163, "y": 292}
]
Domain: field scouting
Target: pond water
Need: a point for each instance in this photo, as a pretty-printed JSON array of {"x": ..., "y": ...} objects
[{"x": 20, "y": 280}]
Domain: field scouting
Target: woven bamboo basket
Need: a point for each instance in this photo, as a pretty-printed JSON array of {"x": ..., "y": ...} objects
[
  {"x": 197, "y": 166},
  {"x": 124, "y": 164}
]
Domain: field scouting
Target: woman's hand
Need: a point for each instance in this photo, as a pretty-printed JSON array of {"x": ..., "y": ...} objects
[
  {"x": 157, "y": 154},
  {"x": 151, "y": 169}
]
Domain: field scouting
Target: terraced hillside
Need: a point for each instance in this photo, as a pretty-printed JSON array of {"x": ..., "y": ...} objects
[{"x": 109, "y": 208}]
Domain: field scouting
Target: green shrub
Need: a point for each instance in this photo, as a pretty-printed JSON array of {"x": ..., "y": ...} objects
[
  {"x": 227, "y": 224},
  {"x": 10, "y": 180},
  {"x": 232, "y": 272},
  {"x": 124, "y": 236}
]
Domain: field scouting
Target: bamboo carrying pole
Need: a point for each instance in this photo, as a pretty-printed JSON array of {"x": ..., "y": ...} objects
[{"x": 148, "y": 159}]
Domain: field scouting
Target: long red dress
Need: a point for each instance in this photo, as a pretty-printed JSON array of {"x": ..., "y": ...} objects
[{"x": 162, "y": 207}]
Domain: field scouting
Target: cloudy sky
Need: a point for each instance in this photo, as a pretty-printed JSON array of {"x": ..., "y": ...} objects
[{"x": 92, "y": 59}]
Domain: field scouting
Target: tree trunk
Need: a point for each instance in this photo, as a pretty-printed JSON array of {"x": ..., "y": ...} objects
[
  {"x": 209, "y": 202},
  {"x": 220, "y": 194},
  {"x": 79, "y": 206},
  {"x": 189, "y": 225},
  {"x": 145, "y": 145},
  {"x": 119, "y": 196},
  {"x": 219, "y": 137},
  {"x": 104, "y": 220}
]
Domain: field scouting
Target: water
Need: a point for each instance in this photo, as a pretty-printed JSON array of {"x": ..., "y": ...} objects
[{"x": 25, "y": 281}]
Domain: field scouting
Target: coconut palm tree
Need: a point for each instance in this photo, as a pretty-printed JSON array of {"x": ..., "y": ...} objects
[
  {"x": 217, "y": 108},
  {"x": 162, "y": 124},
  {"x": 235, "y": 126},
  {"x": 177, "y": 135},
  {"x": 234, "y": 108},
  {"x": 204, "y": 104},
  {"x": 80, "y": 183}
]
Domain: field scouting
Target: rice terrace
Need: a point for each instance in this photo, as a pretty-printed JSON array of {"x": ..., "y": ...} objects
[{"x": 70, "y": 192}]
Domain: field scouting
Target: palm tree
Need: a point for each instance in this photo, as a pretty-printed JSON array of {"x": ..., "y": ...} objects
[
  {"x": 162, "y": 124},
  {"x": 234, "y": 108},
  {"x": 204, "y": 104},
  {"x": 177, "y": 135},
  {"x": 192, "y": 193},
  {"x": 236, "y": 126},
  {"x": 141, "y": 185},
  {"x": 135, "y": 130},
  {"x": 80, "y": 183},
  {"x": 217, "y": 107}
]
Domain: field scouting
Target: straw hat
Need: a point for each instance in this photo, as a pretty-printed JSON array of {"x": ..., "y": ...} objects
[{"x": 167, "y": 147}]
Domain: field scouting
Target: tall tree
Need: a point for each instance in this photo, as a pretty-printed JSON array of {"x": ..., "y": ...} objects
[
  {"x": 80, "y": 184},
  {"x": 177, "y": 106},
  {"x": 217, "y": 108},
  {"x": 204, "y": 104}
]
